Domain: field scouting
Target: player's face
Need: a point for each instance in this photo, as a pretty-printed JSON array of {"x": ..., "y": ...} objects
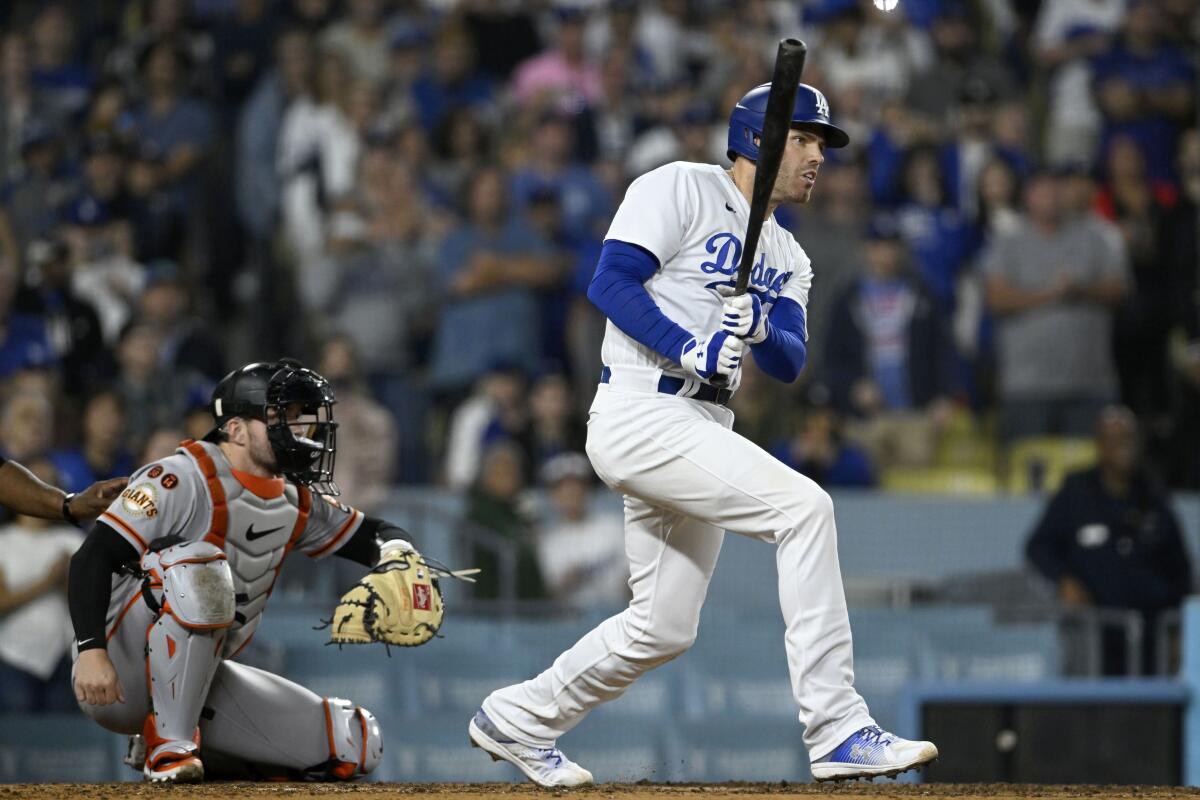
[
  {"x": 259, "y": 446},
  {"x": 802, "y": 158}
]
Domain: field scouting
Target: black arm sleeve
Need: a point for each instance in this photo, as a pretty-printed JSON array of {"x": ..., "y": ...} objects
[
  {"x": 89, "y": 585},
  {"x": 363, "y": 546}
]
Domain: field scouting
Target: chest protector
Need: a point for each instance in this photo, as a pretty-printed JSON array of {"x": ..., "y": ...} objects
[{"x": 256, "y": 534}]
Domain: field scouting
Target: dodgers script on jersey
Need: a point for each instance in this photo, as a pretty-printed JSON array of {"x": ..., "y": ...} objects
[{"x": 692, "y": 218}]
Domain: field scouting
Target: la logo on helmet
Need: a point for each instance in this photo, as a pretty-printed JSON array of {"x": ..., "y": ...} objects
[{"x": 822, "y": 103}]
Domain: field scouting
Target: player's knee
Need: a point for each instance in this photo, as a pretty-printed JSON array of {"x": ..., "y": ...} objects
[
  {"x": 662, "y": 643},
  {"x": 809, "y": 502},
  {"x": 197, "y": 585},
  {"x": 355, "y": 739}
]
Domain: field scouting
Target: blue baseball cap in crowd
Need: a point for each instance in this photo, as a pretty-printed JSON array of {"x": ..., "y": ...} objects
[{"x": 87, "y": 212}]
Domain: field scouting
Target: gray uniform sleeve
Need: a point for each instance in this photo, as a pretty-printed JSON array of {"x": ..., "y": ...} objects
[
  {"x": 330, "y": 525},
  {"x": 164, "y": 498}
]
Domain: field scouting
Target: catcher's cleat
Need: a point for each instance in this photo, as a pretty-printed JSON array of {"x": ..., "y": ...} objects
[
  {"x": 545, "y": 766},
  {"x": 135, "y": 753},
  {"x": 870, "y": 753},
  {"x": 173, "y": 762}
]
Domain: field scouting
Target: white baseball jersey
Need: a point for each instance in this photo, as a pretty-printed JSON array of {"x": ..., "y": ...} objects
[
  {"x": 692, "y": 217},
  {"x": 688, "y": 477},
  {"x": 194, "y": 494}
]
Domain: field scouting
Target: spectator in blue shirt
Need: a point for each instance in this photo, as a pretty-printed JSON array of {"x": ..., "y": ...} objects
[
  {"x": 1145, "y": 88},
  {"x": 451, "y": 80},
  {"x": 63, "y": 80},
  {"x": 821, "y": 452},
  {"x": 173, "y": 124},
  {"x": 492, "y": 267},
  {"x": 939, "y": 235},
  {"x": 586, "y": 203},
  {"x": 100, "y": 453}
]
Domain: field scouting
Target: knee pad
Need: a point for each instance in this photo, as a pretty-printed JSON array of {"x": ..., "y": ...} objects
[
  {"x": 355, "y": 739},
  {"x": 197, "y": 584}
]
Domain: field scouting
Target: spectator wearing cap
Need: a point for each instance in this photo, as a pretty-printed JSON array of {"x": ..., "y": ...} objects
[
  {"x": 492, "y": 267},
  {"x": 407, "y": 42},
  {"x": 1145, "y": 87},
  {"x": 362, "y": 38},
  {"x": 185, "y": 341},
  {"x": 100, "y": 453},
  {"x": 687, "y": 137},
  {"x": 102, "y": 269},
  {"x": 580, "y": 548},
  {"x": 452, "y": 79},
  {"x": 1052, "y": 287},
  {"x": 563, "y": 75},
  {"x": 71, "y": 324},
  {"x": 1067, "y": 35},
  {"x": 889, "y": 359}
]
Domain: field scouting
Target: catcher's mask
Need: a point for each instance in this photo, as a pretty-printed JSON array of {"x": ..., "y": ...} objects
[{"x": 296, "y": 404}]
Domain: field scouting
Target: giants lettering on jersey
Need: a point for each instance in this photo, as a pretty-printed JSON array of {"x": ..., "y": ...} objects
[{"x": 766, "y": 282}]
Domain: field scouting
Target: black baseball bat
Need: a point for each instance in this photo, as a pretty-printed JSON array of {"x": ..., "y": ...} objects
[{"x": 789, "y": 65}]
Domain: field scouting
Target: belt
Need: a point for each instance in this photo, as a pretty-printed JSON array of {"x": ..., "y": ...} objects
[{"x": 673, "y": 386}]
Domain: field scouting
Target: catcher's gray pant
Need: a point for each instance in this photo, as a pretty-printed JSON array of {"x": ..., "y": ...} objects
[
  {"x": 687, "y": 477},
  {"x": 249, "y": 715}
]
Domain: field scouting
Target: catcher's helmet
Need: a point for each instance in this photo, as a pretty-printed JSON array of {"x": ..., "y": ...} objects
[
  {"x": 746, "y": 121},
  {"x": 286, "y": 386}
]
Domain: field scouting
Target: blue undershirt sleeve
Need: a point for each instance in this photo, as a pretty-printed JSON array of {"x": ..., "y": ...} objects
[
  {"x": 618, "y": 289},
  {"x": 783, "y": 353}
]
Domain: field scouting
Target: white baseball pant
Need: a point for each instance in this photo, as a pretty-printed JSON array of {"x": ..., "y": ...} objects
[{"x": 686, "y": 478}]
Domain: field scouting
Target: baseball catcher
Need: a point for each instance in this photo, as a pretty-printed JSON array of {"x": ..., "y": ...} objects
[{"x": 172, "y": 581}]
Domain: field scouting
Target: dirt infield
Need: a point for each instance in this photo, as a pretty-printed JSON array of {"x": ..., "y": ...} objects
[{"x": 615, "y": 791}]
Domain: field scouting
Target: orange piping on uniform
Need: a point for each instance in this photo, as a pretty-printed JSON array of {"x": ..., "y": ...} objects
[
  {"x": 336, "y": 540},
  {"x": 123, "y": 525}
]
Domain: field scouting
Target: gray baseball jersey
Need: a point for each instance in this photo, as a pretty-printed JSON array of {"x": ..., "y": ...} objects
[{"x": 195, "y": 494}]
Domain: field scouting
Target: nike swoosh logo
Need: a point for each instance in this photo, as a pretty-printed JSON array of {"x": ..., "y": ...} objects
[
  {"x": 85, "y": 641},
  {"x": 252, "y": 534},
  {"x": 730, "y": 208}
]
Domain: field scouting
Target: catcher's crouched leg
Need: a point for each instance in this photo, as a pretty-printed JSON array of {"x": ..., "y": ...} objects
[{"x": 258, "y": 726}]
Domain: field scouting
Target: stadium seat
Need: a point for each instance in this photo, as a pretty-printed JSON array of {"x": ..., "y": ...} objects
[{"x": 1039, "y": 464}]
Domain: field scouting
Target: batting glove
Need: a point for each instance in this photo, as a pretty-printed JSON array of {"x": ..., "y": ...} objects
[
  {"x": 718, "y": 353},
  {"x": 742, "y": 315}
]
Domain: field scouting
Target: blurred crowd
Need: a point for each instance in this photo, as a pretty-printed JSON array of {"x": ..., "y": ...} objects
[{"x": 410, "y": 195}]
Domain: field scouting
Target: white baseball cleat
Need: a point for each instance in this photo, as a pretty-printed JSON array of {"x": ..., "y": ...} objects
[
  {"x": 545, "y": 766},
  {"x": 870, "y": 753},
  {"x": 173, "y": 762}
]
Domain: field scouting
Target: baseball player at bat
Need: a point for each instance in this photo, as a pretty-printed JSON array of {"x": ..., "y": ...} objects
[
  {"x": 660, "y": 433},
  {"x": 172, "y": 581}
]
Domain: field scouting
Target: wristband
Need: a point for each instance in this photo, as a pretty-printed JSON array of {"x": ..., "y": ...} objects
[{"x": 66, "y": 510}]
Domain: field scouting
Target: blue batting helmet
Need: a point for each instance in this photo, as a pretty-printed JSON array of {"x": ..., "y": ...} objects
[{"x": 746, "y": 122}]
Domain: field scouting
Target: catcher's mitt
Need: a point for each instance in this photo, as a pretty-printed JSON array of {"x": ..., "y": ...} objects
[{"x": 397, "y": 603}]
